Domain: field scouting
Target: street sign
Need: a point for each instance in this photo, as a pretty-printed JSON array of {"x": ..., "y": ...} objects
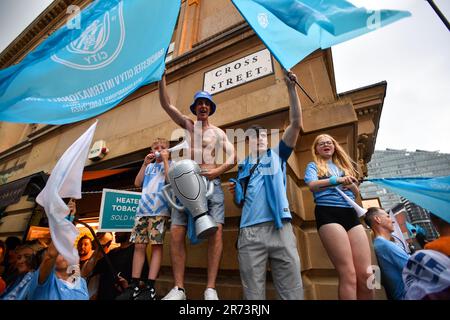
[{"x": 117, "y": 210}]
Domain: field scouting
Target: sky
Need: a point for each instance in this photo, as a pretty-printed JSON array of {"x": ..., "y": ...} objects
[
  {"x": 411, "y": 55},
  {"x": 16, "y": 15}
]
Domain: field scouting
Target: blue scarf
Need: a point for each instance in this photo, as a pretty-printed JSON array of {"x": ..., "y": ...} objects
[
  {"x": 273, "y": 194},
  {"x": 191, "y": 228}
]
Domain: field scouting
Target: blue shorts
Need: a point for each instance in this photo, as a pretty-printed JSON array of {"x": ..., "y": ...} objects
[{"x": 216, "y": 207}]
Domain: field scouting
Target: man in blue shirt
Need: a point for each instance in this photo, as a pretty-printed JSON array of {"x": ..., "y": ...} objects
[
  {"x": 391, "y": 257},
  {"x": 266, "y": 233},
  {"x": 52, "y": 282}
]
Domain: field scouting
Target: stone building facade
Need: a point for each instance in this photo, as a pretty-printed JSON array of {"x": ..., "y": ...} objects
[{"x": 209, "y": 34}]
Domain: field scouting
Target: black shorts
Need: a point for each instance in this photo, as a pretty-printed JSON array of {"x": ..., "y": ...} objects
[{"x": 346, "y": 217}]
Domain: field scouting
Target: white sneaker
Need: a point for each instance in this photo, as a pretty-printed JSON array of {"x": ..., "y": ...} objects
[
  {"x": 211, "y": 294},
  {"x": 175, "y": 294}
]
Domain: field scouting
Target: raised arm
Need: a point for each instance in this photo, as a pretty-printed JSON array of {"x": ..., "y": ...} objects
[
  {"x": 47, "y": 263},
  {"x": 292, "y": 132},
  {"x": 175, "y": 114}
]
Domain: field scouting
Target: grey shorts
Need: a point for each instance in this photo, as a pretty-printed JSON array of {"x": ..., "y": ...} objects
[
  {"x": 215, "y": 205},
  {"x": 263, "y": 243}
]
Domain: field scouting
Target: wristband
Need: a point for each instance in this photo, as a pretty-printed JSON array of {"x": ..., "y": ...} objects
[{"x": 333, "y": 181}]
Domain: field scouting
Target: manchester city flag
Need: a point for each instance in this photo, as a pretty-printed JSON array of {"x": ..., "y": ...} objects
[
  {"x": 432, "y": 194},
  {"x": 292, "y": 29},
  {"x": 86, "y": 68}
]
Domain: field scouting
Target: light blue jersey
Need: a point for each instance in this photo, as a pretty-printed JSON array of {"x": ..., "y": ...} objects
[
  {"x": 392, "y": 259},
  {"x": 329, "y": 197},
  {"x": 19, "y": 290},
  {"x": 256, "y": 206},
  {"x": 54, "y": 288},
  {"x": 152, "y": 202}
]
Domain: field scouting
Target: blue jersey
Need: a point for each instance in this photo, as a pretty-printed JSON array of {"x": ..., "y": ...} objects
[
  {"x": 256, "y": 206},
  {"x": 20, "y": 289},
  {"x": 329, "y": 197},
  {"x": 392, "y": 259},
  {"x": 152, "y": 202},
  {"x": 54, "y": 288}
]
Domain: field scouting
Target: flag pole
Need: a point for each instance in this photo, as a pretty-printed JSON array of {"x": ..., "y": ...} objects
[
  {"x": 439, "y": 13},
  {"x": 299, "y": 85}
]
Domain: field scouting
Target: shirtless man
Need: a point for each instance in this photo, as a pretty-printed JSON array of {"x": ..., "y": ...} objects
[{"x": 205, "y": 140}]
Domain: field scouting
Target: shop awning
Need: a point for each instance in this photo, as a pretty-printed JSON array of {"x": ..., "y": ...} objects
[
  {"x": 92, "y": 175},
  {"x": 11, "y": 192}
]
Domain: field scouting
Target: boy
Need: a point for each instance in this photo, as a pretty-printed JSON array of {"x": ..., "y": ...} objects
[
  {"x": 151, "y": 220},
  {"x": 266, "y": 233}
]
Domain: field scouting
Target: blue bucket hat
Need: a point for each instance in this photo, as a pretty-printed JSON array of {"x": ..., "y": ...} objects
[{"x": 206, "y": 95}]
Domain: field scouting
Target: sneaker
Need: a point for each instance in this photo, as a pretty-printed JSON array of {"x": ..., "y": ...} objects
[
  {"x": 146, "y": 293},
  {"x": 128, "y": 293},
  {"x": 175, "y": 294},
  {"x": 211, "y": 294}
]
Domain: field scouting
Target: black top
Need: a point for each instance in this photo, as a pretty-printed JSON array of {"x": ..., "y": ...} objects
[{"x": 122, "y": 261}]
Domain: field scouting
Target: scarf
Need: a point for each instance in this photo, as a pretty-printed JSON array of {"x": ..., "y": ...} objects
[{"x": 273, "y": 192}]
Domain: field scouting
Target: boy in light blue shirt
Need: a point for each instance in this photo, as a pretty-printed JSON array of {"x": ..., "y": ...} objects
[
  {"x": 266, "y": 233},
  {"x": 151, "y": 222}
]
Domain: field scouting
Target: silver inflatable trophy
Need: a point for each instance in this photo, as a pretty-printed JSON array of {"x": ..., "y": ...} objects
[{"x": 193, "y": 191}]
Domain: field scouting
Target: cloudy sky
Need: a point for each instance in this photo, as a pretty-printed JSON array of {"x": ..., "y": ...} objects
[{"x": 412, "y": 55}]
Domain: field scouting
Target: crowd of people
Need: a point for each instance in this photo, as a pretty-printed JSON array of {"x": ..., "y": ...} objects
[{"x": 33, "y": 270}]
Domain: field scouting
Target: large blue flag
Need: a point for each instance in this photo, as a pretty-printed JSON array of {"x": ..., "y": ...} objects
[
  {"x": 432, "y": 194},
  {"x": 78, "y": 73},
  {"x": 292, "y": 29}
]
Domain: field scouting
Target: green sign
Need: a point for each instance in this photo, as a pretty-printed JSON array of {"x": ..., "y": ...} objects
[{"x": 118, "y": 210}]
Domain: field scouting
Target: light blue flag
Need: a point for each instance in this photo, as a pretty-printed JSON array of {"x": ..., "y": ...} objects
[
  {"x": 416, "y": 227},
  {"x": 78, "y": 73},
  {"x": 432, "y": 194},
  {"x": 292, "y": 29}
]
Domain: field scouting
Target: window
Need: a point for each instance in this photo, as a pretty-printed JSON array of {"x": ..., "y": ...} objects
[{"x": 169, "y": 56}]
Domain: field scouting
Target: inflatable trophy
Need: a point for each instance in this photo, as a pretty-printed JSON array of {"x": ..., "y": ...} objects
[{"x": 193, "y": 191}]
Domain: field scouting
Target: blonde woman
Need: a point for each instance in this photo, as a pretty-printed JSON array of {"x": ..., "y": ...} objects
[{"x": 338, "y": 225}]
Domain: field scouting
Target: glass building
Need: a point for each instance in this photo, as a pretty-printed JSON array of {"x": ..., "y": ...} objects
[{"x": 391, "y": 163}]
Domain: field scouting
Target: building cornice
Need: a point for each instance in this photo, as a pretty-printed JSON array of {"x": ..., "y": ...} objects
[
  {"x": 15, "y": 149},
  {"x": 46, "y": 23},
  {"x": 54, "y": 16},
  {"x": 367, "y": 101},
  {"x": 31, "y": 138}
]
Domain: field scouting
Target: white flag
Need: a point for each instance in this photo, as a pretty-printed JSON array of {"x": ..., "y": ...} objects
[
  {"x": 360, "y": 211},
  {"x": 65, "y": 182}
]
